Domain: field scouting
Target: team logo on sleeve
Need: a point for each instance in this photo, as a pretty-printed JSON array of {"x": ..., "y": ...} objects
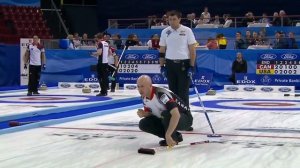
[
  {"x": 164, "y": 98},
  {"x": 168, "y": 32}
]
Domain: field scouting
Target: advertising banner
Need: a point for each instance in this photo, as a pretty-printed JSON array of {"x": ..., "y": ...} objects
[{"x": 203, "y": 81}]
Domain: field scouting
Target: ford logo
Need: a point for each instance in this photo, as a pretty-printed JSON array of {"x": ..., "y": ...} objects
[
  {"x": 149, "y": 56},
  {"x": 250, "y": 89},
  {"x": 268, "y": 56},
  {"x": 65, "y": 85},
  {"x": 289, "y": 56},
  {"x": 232, "y": 88},
  {"x": 284, "y": 89},
  {"x": 79, "y": 85},
  {"x": 266, "y": 89},
  {"x": 131, "y": 87},
  {"x": 94, "y": 86},
  {"x": 132, "y": 56}
]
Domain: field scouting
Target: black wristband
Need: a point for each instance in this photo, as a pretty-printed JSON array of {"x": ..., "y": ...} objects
[{"x": 162, "y": 55}]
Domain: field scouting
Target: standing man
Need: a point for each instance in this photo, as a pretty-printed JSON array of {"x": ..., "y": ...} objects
[
  {"x": 35, "y": 57},
  {"x": 113, "y": 59},
  {"x": 177, "y": 55},
  {"x": 164, "y": 112},
  {"x": 239, "y": 65},
  {"x": 102, "y": 66}
]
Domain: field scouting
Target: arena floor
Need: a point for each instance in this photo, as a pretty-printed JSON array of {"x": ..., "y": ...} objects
[{"x": 259, "y": 130}]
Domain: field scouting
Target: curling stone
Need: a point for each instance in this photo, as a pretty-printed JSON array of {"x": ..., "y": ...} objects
[
  {"x": 86, "y": 90},
  {"x": 211, "y": 92},
  {"x": 43, "y": 87}
]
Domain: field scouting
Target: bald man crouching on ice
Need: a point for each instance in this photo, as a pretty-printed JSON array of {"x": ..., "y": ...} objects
[{"x": 164, "y": 112}]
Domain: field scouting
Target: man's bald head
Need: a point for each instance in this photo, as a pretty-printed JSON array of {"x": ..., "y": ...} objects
[
  {"x": 145, "y": 79},
  {"x": 144, "y": 84}
]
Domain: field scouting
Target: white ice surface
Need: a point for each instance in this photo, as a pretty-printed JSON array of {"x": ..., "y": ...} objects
[
  {"x": 111, "y": 141},
  {"x": 15, "y": 102}
]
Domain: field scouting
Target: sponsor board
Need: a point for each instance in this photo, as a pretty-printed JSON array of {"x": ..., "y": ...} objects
[
  {"x": 267, "y": 89},
  {"x": 266, "y": 80},
  {"x": 268, "y": 56},
  {"x": 130, "y": 86},
  {"x": 289, "y": 56},
  {"x": 249, "y": 88},
  {"x": 94, "y": 86},
  {"x": 131, "y": 56},
  {"x": 202, "y": 81},
  {"x": 77, "y": 85},
  {"x": 149, "y": 56},
  {"x": 284, "y": 89},
  {"x": 245, "y": 79},
  {"x": 65, "y": 85},
  {"x": 259, "y": 88},
  {"x": 157, "y": 78},
  {"x": 231, "y": 88}
]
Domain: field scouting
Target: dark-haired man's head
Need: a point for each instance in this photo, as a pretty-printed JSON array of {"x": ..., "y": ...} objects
[
  {"x": 99, "y": 36},
  {"x": 174, "y": 18}
]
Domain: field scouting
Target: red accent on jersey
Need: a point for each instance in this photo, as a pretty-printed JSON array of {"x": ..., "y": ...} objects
[
  {"x": 152, "y": 92},
  {"x": 39, "y": 46},
  {"x": 112, "y": 49},
  {"x": 146, "y": 109},
  {"x": 172, "y": 100}
]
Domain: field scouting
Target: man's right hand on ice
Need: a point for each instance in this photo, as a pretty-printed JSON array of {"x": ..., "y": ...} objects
[
  {"x": 141, "y": 113},
  {"x": 170, "y": 141}
]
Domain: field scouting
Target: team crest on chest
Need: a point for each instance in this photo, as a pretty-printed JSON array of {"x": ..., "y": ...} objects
[{"x": 182, "y": 33}]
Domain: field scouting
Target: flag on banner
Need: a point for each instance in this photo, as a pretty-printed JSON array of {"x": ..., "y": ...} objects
[{"x": 203, "y": 81}]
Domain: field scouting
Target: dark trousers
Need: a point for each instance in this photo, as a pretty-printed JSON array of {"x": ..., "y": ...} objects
[
  {"x": 178, "y": 80},
  {"x": 222, "y": 46},
  {"x": 102, "y": 70},
  {"x": 34, "y": 78},
  {"x": 232, "y": 78},
  {"x": 158, "y": 126},
  {"x": 111, "y": 70}
]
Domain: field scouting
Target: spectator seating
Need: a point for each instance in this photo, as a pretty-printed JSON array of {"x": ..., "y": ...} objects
[{"x": 22, "y": 22}]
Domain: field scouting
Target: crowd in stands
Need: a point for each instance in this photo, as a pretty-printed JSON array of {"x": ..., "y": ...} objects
[
  {"x": 278, "y": 19},
  {"x": 243, "y": 40},
  {"x": 281, "y": 40},
  {"x": 115, "y": 41}
]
